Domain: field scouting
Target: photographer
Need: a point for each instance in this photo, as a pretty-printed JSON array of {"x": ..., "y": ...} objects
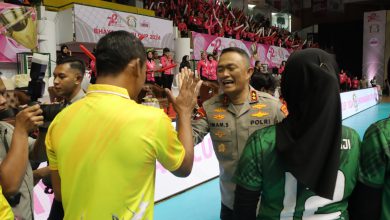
[{"x": 16, "y": 177}]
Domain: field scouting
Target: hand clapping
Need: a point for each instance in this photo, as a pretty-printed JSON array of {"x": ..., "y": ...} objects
[{"x": 185, "y": 102}]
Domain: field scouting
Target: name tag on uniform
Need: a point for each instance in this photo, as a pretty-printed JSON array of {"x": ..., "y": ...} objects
[{"x": 260, "y": 122}]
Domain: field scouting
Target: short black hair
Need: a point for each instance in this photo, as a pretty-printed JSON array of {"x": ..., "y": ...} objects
[
  {"x": 184, "y": 58},
  {"x": 256, "y": 62},
  {"x": 63, "y": 46},
  {"x": 263, "y": 81},
  {"x": 166, "y": 50},
  {"x": 74, "y": 63},
  {"x": 115, "y": 50},
  {"x": 236, "y": 50}
]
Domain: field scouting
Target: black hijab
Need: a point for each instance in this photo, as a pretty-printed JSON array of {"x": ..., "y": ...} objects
[
  {"x": 309, "y": 139},
  {"x": 184, "y": 63}
]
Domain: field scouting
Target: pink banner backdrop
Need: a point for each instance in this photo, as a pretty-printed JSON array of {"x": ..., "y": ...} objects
[
  {"x": 18, "y": 31},
  {"x": 266, "y": 54}
]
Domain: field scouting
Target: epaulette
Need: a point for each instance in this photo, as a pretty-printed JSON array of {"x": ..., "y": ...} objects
[
  {"x": 254, "y": 97},
  {"x": 200, "y": 113},
  {"x": 225, "y": 100},
  {"x": 284, "y": 109}
]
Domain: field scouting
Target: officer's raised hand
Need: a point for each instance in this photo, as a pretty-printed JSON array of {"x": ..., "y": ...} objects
[
  {"x": 185, "y": 102},
  {"x": 29, "y": 118}
]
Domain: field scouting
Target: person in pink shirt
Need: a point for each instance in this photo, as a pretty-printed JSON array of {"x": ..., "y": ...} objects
[
  {"x": 203, "y": 66},
  {"x": 238, "y": 30},
  {"x": 281, "y": 68},
  {"x": 166, "y": 61},
  {"x": 228, "y": 29},
  {"x": 212, "y": 68},
  {"x": 198, "y": 22},
  {"x": 221, "y": 31},
  {"x": 182, "y": 27},
  {"x": 191, "y": 20},
  {"x": 355, "y": 83},
  {"x": 343, "y": 80},
  {"x": 251, "y": 35},
  {"x": 150, "y": 67},
  {"x": 209, "y": 26}
]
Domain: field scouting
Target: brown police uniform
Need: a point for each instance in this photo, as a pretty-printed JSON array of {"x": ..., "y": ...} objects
[{"x": 230, "y": 126}]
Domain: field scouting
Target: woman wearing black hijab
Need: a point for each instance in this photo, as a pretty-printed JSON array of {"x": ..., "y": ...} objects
[
  {"x": 305, "y": 166},
  {"x": 185, "y": 62},
  {"x": 65, "y": 52}
]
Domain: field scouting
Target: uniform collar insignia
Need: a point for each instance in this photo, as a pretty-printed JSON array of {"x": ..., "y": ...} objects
[
  {"x": 254, "y": 97},
  {"x": 225, "y": 100}
]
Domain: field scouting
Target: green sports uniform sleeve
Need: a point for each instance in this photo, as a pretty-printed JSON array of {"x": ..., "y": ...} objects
[
  {"x": 249, "y": 172},
  {"x": 374, "y": 154}
]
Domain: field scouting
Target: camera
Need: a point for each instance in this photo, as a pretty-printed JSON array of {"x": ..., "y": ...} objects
[
  {"x": 51, "y": 110},
  {"x": 36, "y": 88}
]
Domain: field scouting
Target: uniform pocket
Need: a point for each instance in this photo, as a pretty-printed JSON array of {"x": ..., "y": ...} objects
[
  {"x": 252, "y": 129},
  {"x": 223, "y": 144}
]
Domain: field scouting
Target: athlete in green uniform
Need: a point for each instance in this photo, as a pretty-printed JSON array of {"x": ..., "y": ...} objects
[
  {"x": 372, "y": 194},
  {"x": 261, "y": 169},
  {"x": 307, "y": 166}
]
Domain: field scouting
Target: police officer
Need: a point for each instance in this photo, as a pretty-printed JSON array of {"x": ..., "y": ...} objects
[
  {"x": 232, "y": 117},
  {"x": 68, "y": 76}
]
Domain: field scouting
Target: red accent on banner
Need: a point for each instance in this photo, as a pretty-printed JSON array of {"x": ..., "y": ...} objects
[{"x": 141, "y": 37}]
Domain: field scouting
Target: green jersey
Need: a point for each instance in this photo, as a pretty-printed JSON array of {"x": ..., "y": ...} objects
[
  {"x": 375, "y": 161},
  {"x": 282, "y": 196}
]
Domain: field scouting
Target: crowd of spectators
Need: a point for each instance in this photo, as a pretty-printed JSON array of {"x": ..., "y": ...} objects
[{"x": 218, "y": 18}]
